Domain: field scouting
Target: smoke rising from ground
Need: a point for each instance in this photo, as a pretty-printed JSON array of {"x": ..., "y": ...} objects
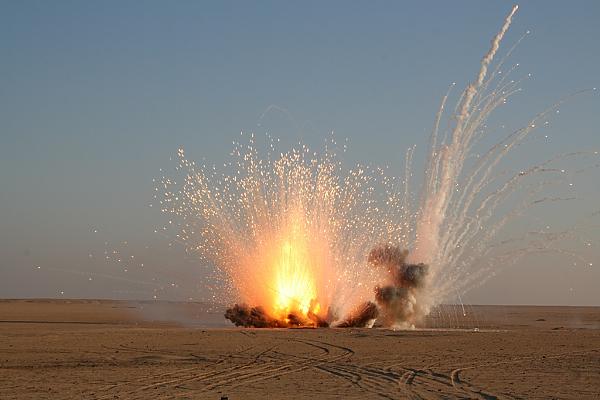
[
  {"x": 396, "y": 298},
  {"x": 364, "y": 316}
]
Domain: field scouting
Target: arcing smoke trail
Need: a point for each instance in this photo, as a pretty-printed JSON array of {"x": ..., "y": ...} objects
[{"x": 450, "y": 160}]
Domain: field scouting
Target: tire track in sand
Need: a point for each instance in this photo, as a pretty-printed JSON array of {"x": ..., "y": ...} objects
[
  {"x": 234, "y": 376},
  {"x": 279, "y": 364}
]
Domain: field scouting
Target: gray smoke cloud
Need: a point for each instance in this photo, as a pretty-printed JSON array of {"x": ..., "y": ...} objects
[{"x": 397, "y": 298}]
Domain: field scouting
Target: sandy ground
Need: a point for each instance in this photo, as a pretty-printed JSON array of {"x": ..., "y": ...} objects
[{"x": 84, "y": 349}]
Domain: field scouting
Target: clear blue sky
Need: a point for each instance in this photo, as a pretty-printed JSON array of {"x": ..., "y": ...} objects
[{"x": 96, "y": 96}]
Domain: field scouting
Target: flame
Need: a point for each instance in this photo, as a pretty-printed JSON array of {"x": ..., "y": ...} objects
[{"x": 295, "y": 285}]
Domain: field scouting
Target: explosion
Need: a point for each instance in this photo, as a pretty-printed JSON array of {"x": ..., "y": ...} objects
[
  {"x": 297, "y": 239},
  {"x": 288, "y": 234}
]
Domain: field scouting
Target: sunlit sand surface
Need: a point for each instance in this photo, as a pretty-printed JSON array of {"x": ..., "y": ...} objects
[{"x": 86, "y": 349}]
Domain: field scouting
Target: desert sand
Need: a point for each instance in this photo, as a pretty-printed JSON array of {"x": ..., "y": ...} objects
[{"x": 88, "y": 349}]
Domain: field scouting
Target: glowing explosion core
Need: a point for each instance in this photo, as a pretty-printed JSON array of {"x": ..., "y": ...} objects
[
  {"x": 290, "y": 233},
  {"x": 299, "y": 240}
]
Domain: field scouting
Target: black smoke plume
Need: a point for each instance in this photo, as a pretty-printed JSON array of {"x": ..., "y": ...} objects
[{"x": 397, "y": 297}]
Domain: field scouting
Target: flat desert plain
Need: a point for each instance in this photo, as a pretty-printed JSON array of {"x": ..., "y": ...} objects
[{"x": 91, "y": 349}]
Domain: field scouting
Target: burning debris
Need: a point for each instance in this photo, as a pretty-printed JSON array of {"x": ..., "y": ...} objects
[
  {"x": 251, "y": 317},
  {"x": 257, "y": 317},
  {"x": 395, "y": 299}
]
